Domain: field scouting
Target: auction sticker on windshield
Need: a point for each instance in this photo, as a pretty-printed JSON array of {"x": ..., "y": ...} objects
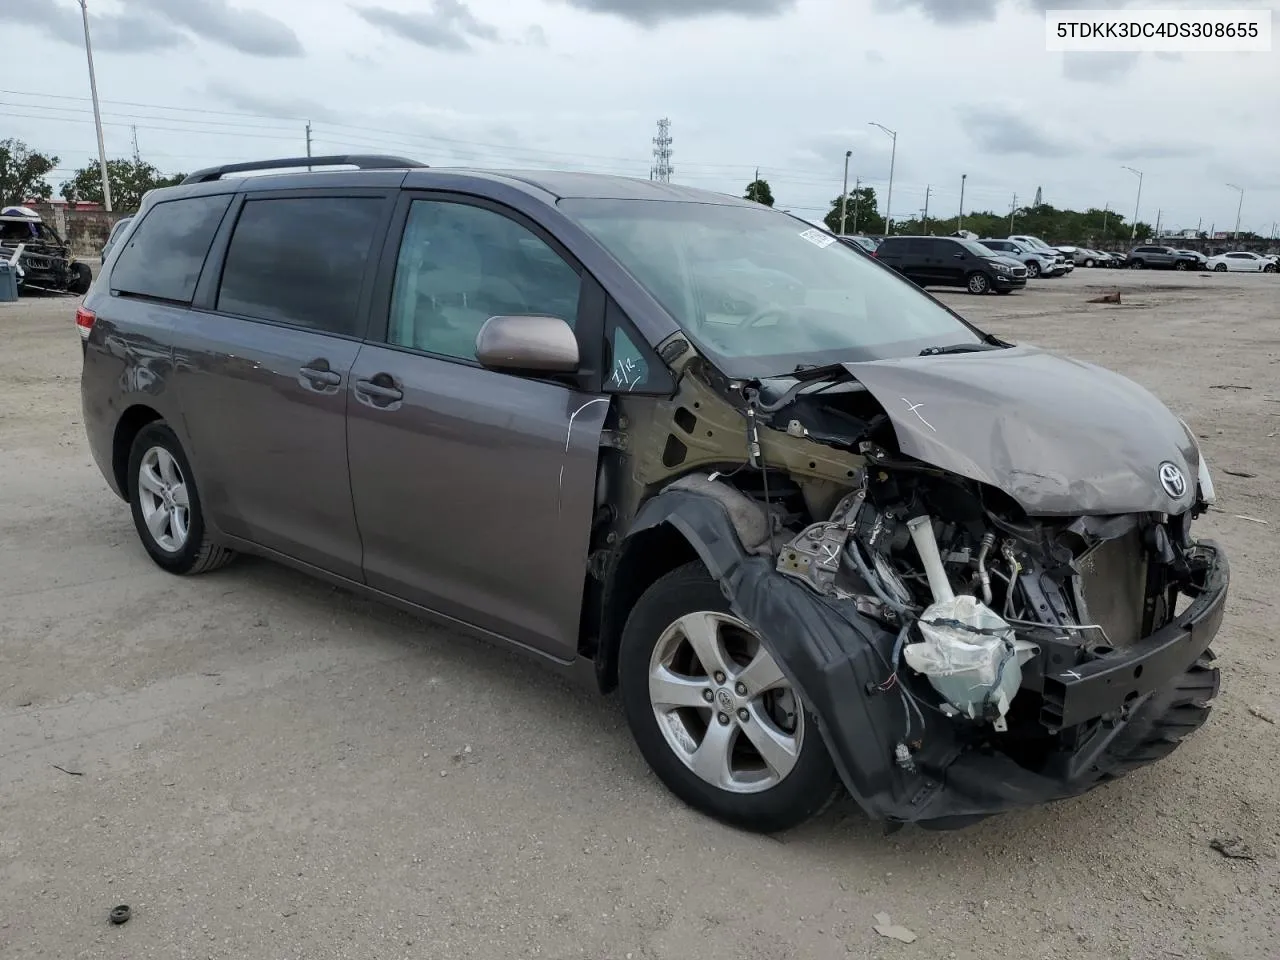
[{"x": 818, "y": 238}]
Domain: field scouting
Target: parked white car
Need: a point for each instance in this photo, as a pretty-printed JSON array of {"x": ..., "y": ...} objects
[
  {"x": 1039, "y": 263},
  {"x": 1035, "y": 243},
  {"x": 1241, "y": 261}
]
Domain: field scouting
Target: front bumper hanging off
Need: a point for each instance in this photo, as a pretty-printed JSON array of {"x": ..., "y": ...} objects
[{"x": 836, "y": 657}]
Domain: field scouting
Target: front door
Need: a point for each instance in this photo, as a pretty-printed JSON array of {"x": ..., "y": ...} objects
[
  {"x": 473, "y": 489},
  {"x": 263, "y": 371}
]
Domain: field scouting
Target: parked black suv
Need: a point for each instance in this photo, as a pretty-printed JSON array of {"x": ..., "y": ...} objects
[
  {"x": 1162, "y": 258},
  {"x": 952, "y": 262}
]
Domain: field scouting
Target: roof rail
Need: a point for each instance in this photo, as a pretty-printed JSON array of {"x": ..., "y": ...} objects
[{"x": 362, "y": 161}]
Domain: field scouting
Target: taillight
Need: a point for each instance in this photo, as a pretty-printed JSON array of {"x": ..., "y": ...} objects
[{"x": 84, "y": 321}]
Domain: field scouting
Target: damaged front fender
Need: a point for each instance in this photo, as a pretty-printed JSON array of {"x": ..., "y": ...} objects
[{"x": 838, "y": 660}]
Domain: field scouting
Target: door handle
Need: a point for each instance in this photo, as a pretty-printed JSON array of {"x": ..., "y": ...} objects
[
  {"x": 379, "y": 392},
  {"x": 318, "y": 374}
]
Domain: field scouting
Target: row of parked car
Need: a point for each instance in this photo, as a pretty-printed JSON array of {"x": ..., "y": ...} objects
[{"x": 1004, "y": 265}]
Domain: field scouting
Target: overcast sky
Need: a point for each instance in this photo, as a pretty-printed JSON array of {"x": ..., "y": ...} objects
[{"x": 785, "y": 85}]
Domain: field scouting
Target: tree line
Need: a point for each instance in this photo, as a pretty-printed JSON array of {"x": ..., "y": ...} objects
[{"x": 24, "y": 175}]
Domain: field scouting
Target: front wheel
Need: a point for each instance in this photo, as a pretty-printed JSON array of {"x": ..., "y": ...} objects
[
  {"x": 1136, "y": 265},
  {"x": 978, "y": 282},
  {"x": 1033, "y": 270},
  {"x": 81, "y": 279},
  {"x": 1220, "y": 268},
  {"x": 1269, "y": 268},
  {"x": 166, "y": 504},
  {"x": 712, "y": 713}
]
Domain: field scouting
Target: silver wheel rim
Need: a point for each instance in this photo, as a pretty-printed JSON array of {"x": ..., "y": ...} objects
[
  {"x": 977, "y": 283},
  {"x": 163, "y": 497},
  {"x": 722, "y": 704}
]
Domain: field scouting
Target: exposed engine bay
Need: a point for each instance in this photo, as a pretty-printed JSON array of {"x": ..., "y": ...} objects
[
  {"x": 42, "y": 258},
  {"x": 967, "y": 647}
]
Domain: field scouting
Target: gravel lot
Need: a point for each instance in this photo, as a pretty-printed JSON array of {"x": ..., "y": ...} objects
[{"x": 265, "y": 767}]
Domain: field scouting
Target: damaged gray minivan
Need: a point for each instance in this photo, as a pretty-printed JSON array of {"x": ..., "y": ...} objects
[{"x": 820, "y": 531}]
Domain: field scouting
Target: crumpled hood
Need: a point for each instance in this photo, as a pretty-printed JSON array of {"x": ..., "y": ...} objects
[{"x": 1060, "y": 436}]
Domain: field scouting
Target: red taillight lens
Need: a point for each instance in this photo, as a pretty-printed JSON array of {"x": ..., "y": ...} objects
[{"x": 84, "y": 322}]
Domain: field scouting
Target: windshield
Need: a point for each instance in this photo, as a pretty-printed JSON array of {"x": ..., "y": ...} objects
[
  {"x": 978, "y": 249},
  {"x": 761, "y": 292}
]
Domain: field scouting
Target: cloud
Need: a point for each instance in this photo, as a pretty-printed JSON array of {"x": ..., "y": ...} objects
[
  {"x": 534, "y": 36},
  {"x": 1169, "y": 55},
  {"x": 651, "y": 13},
  {"x": 874, "y": 56},
  {"x": 448, "y": 25},
  {"x": 266, "y": 105},
  {"x": 1169, "y": 150},
  {"x": 122, "y": 33},
  {"x": 946, "y": 12},
  {"x": 240, "y": 28},
  {"x": 1097, "y": 67},
  {"x": 1004, "y": 130}
]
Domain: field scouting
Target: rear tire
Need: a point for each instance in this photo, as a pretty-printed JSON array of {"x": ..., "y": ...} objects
[
  {"x": 1180, "y": 265},
  {"x": 658, "y": 666},
  {"x": 1088, "y": 263},
  {"x": 166, "y": 506},
  {"x": 978, "y": 283},
  {"x": 1136, "y": 265}
]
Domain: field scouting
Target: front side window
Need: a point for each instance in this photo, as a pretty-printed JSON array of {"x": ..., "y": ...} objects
[
  {"x": 459, "y": 265},
  {"x": 761, "y": 293},
  {"x": 300, "y": 261},
  {"x": 165, "y": 254}
]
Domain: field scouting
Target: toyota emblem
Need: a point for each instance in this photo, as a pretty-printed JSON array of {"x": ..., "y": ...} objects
[{"x": 1171, "y": 478}]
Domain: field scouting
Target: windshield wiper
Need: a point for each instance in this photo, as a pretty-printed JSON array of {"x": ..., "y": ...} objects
[{"x": 959, "y": 348}]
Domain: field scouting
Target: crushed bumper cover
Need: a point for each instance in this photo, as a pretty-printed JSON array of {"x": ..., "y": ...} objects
[{"x": 834, "y": 656}]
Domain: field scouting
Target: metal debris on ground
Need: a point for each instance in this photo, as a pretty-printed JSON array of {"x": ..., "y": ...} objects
[
  {"x": 886, "y": 928},
  {"x": 1233, "y": 848},
  {"x": 73, "y": 773},
  {"x": 1228, "y": 386},
  {"x": 1241, "y": 516},
  {"x": 1240, "y": 473},
  {"x": 1262, "y": 714}
]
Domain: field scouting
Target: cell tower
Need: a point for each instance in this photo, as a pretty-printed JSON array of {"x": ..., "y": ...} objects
[{"x": 662, "y": 169}]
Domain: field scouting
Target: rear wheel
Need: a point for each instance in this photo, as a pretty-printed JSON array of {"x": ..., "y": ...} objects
[
  {"x": 166, "y": 504},
  {"x": 1088, "y": 262},
  {"x": 1180, "y": 265},
  {"x": 978, "y": 282},
  {"x": 1136, "y": 265},
  {"x": 712, "y": 713}
]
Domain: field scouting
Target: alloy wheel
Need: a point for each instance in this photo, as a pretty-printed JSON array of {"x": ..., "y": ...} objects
[
  {"x": 722, "y": 704},
  {"x": 978, "y": 283},
  {"x": 163, "y": 497}
]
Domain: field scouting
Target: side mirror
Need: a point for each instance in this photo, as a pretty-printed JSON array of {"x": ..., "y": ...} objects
[{"x": 528, "y": 344}]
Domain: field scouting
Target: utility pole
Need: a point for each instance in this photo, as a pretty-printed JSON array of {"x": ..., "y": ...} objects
[
  {"x": 1158, "y": 215},
  {"x": 893, "y": 156},
  {"x": 97, "y": 115},
  {"x": 1105, "y": 210},
  {"x": 1137, "y": 204},
  {"x": 308, "y": 144},
  {"x": 924, "y": 223},
  {"x": 1239, "y": 207},
  {"x": 137, "y": 157},
  {"x": 844, "y": 193},
  {"x": 1012, "y": 209},
  {"x": 960, "y": 221},
  {"x": 857, "y": 186}
]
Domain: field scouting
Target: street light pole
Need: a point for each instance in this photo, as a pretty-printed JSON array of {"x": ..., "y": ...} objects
[
  {"x": 960, "y": 221},
  {"x": 1239, "y": 207},
  {"x": 893, "y": 156},
  {"x": 1133, "y": 234},
  {"x": 857, "y": 186},
  {"x": 844, "y": 193},
  {"x": 97, "y": 116}
]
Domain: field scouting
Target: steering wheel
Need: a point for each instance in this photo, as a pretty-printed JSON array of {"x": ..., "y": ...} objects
[{"x": 764, "y": 314}]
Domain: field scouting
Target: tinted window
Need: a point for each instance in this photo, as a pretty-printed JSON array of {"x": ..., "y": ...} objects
[
  {"x": 300, "y": 261},
  {"x": 166, "y": 251},
  {"x": 459, "y": 265}
]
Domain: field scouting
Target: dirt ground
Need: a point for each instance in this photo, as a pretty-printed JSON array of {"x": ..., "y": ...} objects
[{"x": 264, "y": 767}]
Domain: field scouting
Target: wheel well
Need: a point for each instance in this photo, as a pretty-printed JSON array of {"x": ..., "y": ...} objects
[
  {"x": 646, "y": 557},
  {"x": 133, "y": 420}
]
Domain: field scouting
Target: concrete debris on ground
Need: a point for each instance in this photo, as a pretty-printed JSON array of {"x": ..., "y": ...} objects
[{"x": 887, "y": 928}]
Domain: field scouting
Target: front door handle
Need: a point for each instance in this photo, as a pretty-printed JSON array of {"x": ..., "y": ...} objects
[
  {"x": 380, "y": 389},
  {"x": 318, "y": 374}
]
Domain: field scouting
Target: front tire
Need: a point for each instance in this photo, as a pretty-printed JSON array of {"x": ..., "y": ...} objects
[
  {"x": 81, "y": 281},
  {"x": 1136, "y": 265},
  {"x": 1219, "y": 268},
  {"x": 1033, "y": 270},
  {"x": 978, "y": 283},
  {"x": 166, "y": 504},
  {"x": 712, "y": 714}
]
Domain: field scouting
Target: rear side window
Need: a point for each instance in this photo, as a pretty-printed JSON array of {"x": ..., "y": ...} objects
[
  {"x": 166, "y": 251},
  {"x": 300, "y": 261}
]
